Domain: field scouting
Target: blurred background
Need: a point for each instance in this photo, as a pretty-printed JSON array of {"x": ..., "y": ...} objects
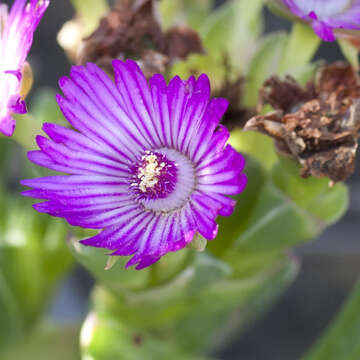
[{"x": 329, "y": 265}]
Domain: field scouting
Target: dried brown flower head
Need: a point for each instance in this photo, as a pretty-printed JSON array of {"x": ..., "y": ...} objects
[
  {"x": 319, "y": 125},
  {"x": 132, "y": 30},
  {"x": 236, "y": 114}
]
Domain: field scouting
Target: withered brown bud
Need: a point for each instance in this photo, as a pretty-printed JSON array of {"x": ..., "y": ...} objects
[
  {"x": 182, "y": 41},
  {"x": 284, "y": 94},
  {"x": 236, "y": 114},
  {"x": 132, "y": 30},
  {"x": 126, "y": 31},
  {"x": 153, "y": 62},
  {"x": 318, "y": 125}
]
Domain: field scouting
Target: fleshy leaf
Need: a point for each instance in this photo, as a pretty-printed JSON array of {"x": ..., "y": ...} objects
[
  {"x": 33, "y": 257},
  {"x": 265, "y": 63},
  {"x": 47, "y": 342},
  {"x": 232, "y": 226},
  {"x": 327, "y": 203},
  {"x": 341, "y": 340},
  {"x": 300, "y": 47},
  {"x": 350, "y": 52},
  {"x": 192, "y": 13},
  {"x": 186, "y": 311},
  {"x": 276, "y": 223},
  {"x": 90, "y": 12},
  {"x": 257, "y": 145}
]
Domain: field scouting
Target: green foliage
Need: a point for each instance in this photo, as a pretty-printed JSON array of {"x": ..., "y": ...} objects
[
  {"x": 325, "y": 203},
  {"x": 180, "y": 12},
  {"x": 33, "y": 257},
  {"x": 178, "y": 307},
  {"x": 47, "y": 342},
  {"x": 105, "y": 338},
  {"x": 90, "y": 12},
  {"x": 341, "y": 340},
  {"x": 300, "y": 48},
  {"x": 281, "y": 54},
  {"x": 230, "y": 228},
  {"x": 115, "y": 278},
  {"x": 43, "y": 109},
  {"x": 230, "y": 34},
  {"x": 259, "y": 146},
  {"x": 231, "y": 31},
  {"x": 179, "y": 317},
  {"x": 350, "y": 52},
  {"x": 264, "y": 64}
]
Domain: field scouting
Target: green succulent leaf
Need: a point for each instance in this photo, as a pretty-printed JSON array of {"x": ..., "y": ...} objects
[
  {"x": 265, "y": 63},
  {"x": 189, "y": 12},
  {"x": 350, "y": 52},
  {"x": 229, "y": 34},
  {"x": 33, "y": 257},
  {"x": 301, "y": 46},
  {"x": 44, "y": 107},
  {"x": 341, "y": 339},
  {"x": 231, "y": 227},
  {"x": 259, "y": 146},
  {"x": 232, "y": 28},
  {"x": 90, "y": 12},
  {"x": 106, "y": 338},
  {"x": 116, "y": 278},
  {"x": 326, "y": 203},
  {"x": 183, "y": 313},
  {"x": 47, "y": 342},
  {"x": 276, "y": 223}
]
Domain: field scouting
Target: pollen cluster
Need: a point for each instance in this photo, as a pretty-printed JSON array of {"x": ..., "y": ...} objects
[
  {"x": 149, "y": 173},
  {"x": 154, "y": 176}
]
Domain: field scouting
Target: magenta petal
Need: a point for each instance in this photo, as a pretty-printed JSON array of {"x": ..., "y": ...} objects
[
  {"x": 17, "y": 105},
  {"x": 7, "y": 125},
  {"x": 326, "y": 16},
  {"x": 324, "y": 31},
  {"x": 17, "y": 30}
]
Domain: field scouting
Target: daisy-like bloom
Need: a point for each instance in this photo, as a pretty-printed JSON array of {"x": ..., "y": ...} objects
[
  {"x": 16, "y": 34},
  {"x": 329, "y": 18},
  {"x": 148, "y": 164}
]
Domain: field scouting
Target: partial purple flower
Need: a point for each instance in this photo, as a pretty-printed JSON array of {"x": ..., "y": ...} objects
[
  {"x": 329, "y": 18},
  {"x": 148, "y": 164},
  {"x": 16, "y": 35}
]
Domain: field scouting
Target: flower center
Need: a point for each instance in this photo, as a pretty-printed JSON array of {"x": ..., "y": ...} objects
[{"x": 154, "y": 176}]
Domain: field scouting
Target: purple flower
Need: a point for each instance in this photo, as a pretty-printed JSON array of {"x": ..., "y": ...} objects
[
  {"x": 327, "y": 17},
  {"x": 148, "y": 163},
  {"x": 16, "y": 35}
]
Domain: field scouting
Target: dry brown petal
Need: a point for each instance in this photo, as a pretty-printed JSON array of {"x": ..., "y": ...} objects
[
  {"x": 335, "y": 78},
  {"x": 236, "y": 115},
  {"x": 129, "y": 29},
  {"x": 153, "y": 62},
  {"x": 132, "y": 30},
  {"x": 321, "y": 132},
  {"x": 284, "y": 94},
  {"x": 339, "y": 162},
  {"x": 182, "y": 41}
]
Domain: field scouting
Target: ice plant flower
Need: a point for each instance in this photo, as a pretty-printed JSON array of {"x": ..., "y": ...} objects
[
  {"x": 327, "y": 17},
  {"x": 16, "y": 34},
  {"x": 148, "y": 163}
]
